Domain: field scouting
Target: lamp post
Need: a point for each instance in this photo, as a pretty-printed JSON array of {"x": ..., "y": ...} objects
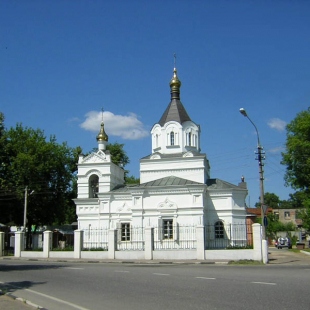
[
  {"x": 260, "y": 158},
  {"x": 25, "y": 208}
]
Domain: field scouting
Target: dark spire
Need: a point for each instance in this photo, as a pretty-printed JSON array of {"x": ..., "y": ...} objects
[{"x": 175, "y": 110}]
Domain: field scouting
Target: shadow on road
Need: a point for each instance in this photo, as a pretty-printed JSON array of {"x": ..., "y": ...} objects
[
  {"x": 19, "y": 267},
  {"x": 11, "y": 287}
]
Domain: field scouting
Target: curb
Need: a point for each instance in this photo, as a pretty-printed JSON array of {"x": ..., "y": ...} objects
[{"x": 96, "y": 261}]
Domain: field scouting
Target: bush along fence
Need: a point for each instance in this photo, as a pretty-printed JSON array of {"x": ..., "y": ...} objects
[{"x": 155, "y": 243}]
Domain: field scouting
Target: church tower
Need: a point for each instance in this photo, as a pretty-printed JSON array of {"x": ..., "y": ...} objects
[
  {"x": 96, "y": 171},
  {"x": 175, "y": 144}
]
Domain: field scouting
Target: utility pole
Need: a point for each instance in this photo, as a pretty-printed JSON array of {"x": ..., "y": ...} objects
[
  {"x": 260, "y": 158},
  {"x": 25, "y": 208}
]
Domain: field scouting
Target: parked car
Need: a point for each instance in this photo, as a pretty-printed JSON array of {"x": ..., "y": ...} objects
[{"x": 284, "y": 243}]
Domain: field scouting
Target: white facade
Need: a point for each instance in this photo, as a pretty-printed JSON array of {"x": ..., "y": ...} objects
[{"x": 175, "y": 186}]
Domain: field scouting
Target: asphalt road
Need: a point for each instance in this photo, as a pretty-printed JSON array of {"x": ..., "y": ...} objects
[{"x": 113, "y": 286}]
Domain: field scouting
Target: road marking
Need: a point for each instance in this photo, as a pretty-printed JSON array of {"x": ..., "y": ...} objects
[
  {"x": 266, "y": 283},
  {"x": 161, "y": 274},
  {"x": 205, "y": 278},
  {"x": 57, "y": 299},
  {"x": 48, "y": 297},
  {"x": 73, "y": 268}
]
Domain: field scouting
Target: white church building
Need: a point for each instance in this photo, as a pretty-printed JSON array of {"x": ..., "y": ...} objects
[{"x": 176, "y": 189}]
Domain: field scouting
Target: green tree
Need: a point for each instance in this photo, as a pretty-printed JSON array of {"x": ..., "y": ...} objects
[
  {"x": 46, "y": 168},
  {"x": 297, "y": 154},
  {"x": 271, "y": 200},
  {"x": 274, "y": 226},
  {"x": 118, "y": 154},
  {"x": 297, "y": 160},
  {"x": 132, "y": 180}
]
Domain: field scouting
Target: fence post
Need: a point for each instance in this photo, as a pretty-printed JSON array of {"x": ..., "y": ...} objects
[
  {"x": 112, "y": 243},
  {"x": 200, "y": 237},
  {"x": 257, "y": 242},
  {"x": 78, "y": 242},
  {"x": 1, "y": 243},
  {"x": 19, "y": 243},
  {"x": 47, "y": 243},
  {"x": 149, "y": 242}
]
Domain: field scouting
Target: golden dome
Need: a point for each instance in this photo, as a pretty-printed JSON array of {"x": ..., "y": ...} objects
[
  {"x": 102, "y": 136},
  {"x": 175, "y": 83}
]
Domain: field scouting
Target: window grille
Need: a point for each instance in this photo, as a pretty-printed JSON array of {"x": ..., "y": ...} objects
[
  {"x": 219, "y": 230},
  {"x": 168, "y": 229},
  {"x": 125, "y": 231}
]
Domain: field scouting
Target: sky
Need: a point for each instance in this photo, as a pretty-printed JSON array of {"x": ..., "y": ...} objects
[{"x": 64, "y": 61}]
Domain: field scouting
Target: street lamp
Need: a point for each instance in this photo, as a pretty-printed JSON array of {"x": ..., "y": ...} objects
[{"x": 260, "y": 159}]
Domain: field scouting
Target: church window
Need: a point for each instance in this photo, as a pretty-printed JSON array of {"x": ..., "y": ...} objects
[
  {"x": 125, "y": 231},
  {"x": 190, "y": 139},
  {"x": 171, "y": 138},
  {"x": 168, "y": 229},
  {"x": 219, "y": 230},
  {"x": 93, "y": 186},
  {"x": 156, "y": 140}
]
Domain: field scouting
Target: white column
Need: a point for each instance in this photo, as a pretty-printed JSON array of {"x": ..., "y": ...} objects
[
  {"x": 112, "y": 243},
  {"x": 257, "y": 243},
  {"x": 19, "y": 243},
  {"x": 47, "y": 243},
  {"x": 200, "y": 237},
  {"x": 1, "y": 243},
  {"x": 149, "y": 243},
  {"x": 78, "y": 242}
]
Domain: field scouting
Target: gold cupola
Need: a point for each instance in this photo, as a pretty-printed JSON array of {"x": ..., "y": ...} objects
[
  {"x": 102, "y": 138},
  {"x": 175, "y": 85}
]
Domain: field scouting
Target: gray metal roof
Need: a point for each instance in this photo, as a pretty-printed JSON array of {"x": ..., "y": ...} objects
[
  {"x": 174, "y": 112},
  {"x": 176, "y": 181},
  {"x": 167, "y": 181},
  {"x": 171, "y": 180},
  {"x": 220, "y": 184}
]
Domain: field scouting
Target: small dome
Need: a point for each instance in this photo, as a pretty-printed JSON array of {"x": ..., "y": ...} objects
[
  {"x": 175, "y": 83},
  {"x": 102, "y": 136}
]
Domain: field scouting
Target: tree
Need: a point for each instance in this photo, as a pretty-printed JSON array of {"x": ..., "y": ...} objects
[
  {"x": 118, "y": 155},
  {"x": 132, "y": 180},
  {"x": 47, "y": 169},
  {"x": 297, "y": 161},
  {"x": 297, "y": 155},
  {"x": 271, "y": 200}
]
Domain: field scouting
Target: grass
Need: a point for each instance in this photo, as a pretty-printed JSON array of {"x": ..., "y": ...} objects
[{"x": 245, "y": 262}]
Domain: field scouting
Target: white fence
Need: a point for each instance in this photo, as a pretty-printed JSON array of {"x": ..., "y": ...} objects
[{"x": 147, "y": 243}]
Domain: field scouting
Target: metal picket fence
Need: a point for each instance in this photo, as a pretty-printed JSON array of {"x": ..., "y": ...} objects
[
  {"x": 177, "y": 238},
  {"x": 221, "y": 236},
  {"x": 130, "y": 238},
  {"x": 96, "y": 238}
]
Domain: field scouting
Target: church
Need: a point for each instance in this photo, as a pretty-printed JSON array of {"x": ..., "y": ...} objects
[{"x": 175, "y": 189}]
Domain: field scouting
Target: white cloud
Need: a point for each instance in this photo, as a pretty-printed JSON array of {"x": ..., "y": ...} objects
[
  {"x": 276, "y": 123},
  {"x": 276, "y": 150},
  {"x": 127, "y": 127}
]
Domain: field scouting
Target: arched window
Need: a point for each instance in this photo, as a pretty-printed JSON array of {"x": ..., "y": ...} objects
[
  {"x": 190, "y": 139},
  {"x": 219, "y": 230},
  {"x": 156, "y": 140},
  {"x": 171, "y": 138},
  {"x": 93, "y": 186}
]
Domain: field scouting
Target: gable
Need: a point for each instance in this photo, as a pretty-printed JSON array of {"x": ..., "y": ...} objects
[{"x": 98, "y": 157}]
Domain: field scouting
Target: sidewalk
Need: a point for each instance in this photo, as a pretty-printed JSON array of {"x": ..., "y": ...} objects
[{"x": 8, "y": 302}]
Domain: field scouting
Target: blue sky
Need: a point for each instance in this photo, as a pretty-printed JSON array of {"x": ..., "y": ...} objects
[{"x": 62, "y": 61}]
